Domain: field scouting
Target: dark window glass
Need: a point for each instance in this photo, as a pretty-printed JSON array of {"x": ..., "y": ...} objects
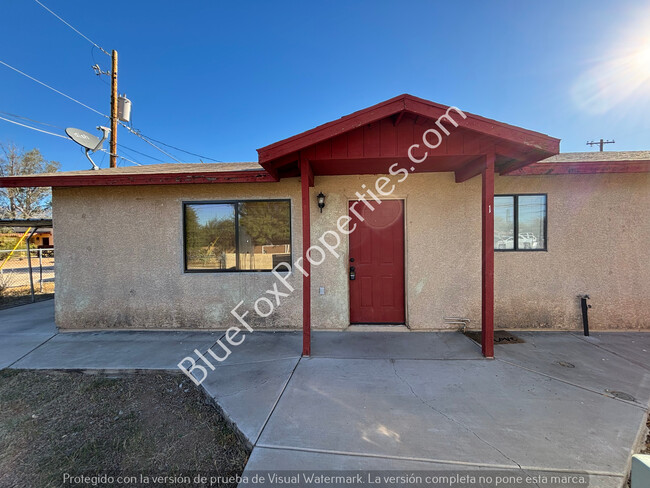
[
  {"x": 504, "y": 222},
  {"x": 520, "y": 222},
  {"x": 531, "y": 221},
  {"x": 244, "y": 236}
]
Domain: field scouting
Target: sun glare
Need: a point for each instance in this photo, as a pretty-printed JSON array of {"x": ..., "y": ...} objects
[
  {"x": 623, "y": 73},
  {"x": 641, "y": 61}
]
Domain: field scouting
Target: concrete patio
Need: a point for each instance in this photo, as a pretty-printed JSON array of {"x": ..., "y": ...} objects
[
  {"x": 558, "y": 403},
  {"x": 23, "y": 329}
]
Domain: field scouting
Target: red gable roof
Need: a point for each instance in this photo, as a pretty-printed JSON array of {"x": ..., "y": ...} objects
[{"x": 377, "y": 133}]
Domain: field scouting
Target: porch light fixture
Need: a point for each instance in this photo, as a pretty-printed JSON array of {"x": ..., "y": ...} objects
[{"x": 321, "y": 201}]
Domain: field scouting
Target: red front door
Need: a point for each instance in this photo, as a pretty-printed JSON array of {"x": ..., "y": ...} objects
[{"x": 377, "y": 256}]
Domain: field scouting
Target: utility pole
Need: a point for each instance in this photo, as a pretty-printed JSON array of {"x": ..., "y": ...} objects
[
  {"x": 113, "y": 145},
  {"x": 600, "y": 143}
]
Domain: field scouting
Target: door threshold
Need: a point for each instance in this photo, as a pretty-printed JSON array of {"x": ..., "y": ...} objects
[{"x": 377, "y": 328}]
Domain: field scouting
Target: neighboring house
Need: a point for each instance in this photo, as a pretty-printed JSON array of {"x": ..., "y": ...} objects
[
  {"x": 181, "y": 245},
  {"x": 42, "y": 238}
]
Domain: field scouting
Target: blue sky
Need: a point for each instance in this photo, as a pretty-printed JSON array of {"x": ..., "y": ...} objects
[{"x": 225, "y": 78}]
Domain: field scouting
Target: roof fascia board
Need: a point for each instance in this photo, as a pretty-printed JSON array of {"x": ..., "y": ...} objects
[{"x": 135, "y": 179}]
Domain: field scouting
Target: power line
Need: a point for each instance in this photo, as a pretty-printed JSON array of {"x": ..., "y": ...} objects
[
  {"x": 82, "y": 35},
  {"x": 133, "y": 131},
  {"x": 121, "y": 157},
  {"x": 140, "y": 153},
  {"x": 182, "y": 150},
  {"x": 34, "y": 128},
  {"x": 30, "y": 120},
  {"x": 86, "y": 106},
  {"x": 53, "y": 89},
  {"x": 136, "y": 133},
  {"x": 63, "y": 137},
  {"x": 95, "y": 63},
  {"x": 59, "y": 127}
]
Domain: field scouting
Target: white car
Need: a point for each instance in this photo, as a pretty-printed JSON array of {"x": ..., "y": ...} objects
[
  {"x": 506, "y": 243},
  {"x": 527, "y": 240}
]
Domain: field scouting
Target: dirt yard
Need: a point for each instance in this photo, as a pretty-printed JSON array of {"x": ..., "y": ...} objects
[
  {"x": 13, "y": 297},
  {"x": 150, "y": 424}
]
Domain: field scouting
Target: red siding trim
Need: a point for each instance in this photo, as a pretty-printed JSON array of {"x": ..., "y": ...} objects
[
  {"x": 417, "y": 106},
  {"x": 330, "y": 129},
  {"x": 136, "y": 179},
  {"x": 500, "y": 130},
  {"x": 582, "y": 168}
]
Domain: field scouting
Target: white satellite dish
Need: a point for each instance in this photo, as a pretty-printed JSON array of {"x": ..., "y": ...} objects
[{"x": 85, "y": 139}]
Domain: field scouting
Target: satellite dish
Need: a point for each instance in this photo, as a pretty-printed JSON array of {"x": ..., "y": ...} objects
[
  {"x": 89, "y": 141},
  {"x": 83, "y": 138}
]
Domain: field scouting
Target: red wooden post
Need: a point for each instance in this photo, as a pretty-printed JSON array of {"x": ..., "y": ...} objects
[
  {"x": 487, "y": 258},
  {"x": 306, "y": 177}
]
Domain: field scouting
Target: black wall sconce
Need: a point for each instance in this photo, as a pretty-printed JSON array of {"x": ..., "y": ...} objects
[{"x": 321, "y": 201}]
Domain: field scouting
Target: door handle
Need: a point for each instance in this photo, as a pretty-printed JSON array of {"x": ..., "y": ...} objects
[{"x": 353, "y": 274}]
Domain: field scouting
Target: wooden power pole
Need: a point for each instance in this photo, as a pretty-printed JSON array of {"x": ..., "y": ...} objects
[
  {"x": 600, "y": 143},
  {"x": 113, "y": 145}
]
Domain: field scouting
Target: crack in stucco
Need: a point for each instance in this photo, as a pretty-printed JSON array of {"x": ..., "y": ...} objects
[{"x": 464, "y": 426}]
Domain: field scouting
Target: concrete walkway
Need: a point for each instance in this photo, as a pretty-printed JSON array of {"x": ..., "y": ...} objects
[
  {"x": 558, "y": 403},
  {"x": 22, "y": 329}
]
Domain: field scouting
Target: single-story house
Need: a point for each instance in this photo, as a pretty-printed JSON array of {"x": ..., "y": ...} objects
[
  {"x": 407, "y": 212},
  {"x": 42, "y": 238}
]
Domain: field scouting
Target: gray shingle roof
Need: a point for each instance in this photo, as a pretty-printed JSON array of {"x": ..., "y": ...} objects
[
  {"x": 167, "y": 168},
  {"x": 597, "y": 156}
]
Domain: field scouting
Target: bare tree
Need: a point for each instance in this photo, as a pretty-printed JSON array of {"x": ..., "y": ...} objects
[{"x": 24, "y": 203}]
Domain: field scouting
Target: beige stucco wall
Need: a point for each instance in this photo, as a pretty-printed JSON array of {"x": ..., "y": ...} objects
[
  {"x": 119, "y": 256},
  {"x": 119, "y": 261},
  {"x": 598, "y": 243},
  {"x": 442, "y": 220}
]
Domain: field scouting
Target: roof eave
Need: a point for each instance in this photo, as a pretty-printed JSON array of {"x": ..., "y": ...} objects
[
  {"x": 93, "y": 179},
  {"x": 546, "y": 145},
  {"x": 583, "y": 168}
]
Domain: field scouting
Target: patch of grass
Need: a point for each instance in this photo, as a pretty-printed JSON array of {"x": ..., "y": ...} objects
[{"x": 53, "y": 423}]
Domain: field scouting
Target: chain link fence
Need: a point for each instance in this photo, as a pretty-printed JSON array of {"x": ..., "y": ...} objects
[{"x": 26, "y": 276}]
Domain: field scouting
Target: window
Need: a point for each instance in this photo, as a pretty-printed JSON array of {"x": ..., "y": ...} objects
[
  {"x": 237, "y": 236},
  {"x": 520, "y": 222}
]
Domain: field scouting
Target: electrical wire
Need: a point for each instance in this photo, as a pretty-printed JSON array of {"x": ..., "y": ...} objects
[
  {"x": 120, "y": 157},
  {"x": 95, "y": 63},
  {"x": 31, "y": 120},
  {"x": 82, "y": 35},
  {"x": 53, "y": 89},
  {"x": 34, "y": 128},
  {"x": 140, "y": 153},
  {"x": 59, "y": 127},
  {"x": 136, "y": 133},
  {"x": 182, "y": 150},
  {"x": 58, "y": 135},
  {"x": 66, "y": 138}
]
